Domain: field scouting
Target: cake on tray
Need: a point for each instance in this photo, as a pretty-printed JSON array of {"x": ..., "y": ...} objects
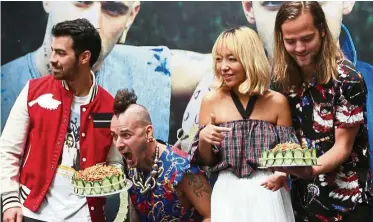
[
  {"x": 98, "y": 179},
  {"x": 288, "y": 154}
]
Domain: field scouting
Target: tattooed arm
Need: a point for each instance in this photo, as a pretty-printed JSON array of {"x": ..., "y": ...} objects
[{"x": 197, "y": 190}]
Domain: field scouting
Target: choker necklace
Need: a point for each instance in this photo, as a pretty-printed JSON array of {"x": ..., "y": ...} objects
[{"x": 150, "y": 182}]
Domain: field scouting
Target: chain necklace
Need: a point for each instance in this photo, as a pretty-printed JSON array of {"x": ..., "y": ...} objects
[{"x": 150, "y": 182}]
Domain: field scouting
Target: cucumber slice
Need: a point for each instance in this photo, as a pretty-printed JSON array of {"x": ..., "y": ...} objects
[
  {"x": 263, "y": 159},
  {"x": 97, "y": 187},
  {"x": 298, "y": 157},
  {"x": 80, "y": 191},
  {"x": 288, "y": 158},
  {"x": 271, "y": 159},
  {"x": 298, "y": 154},
  {"x": 279, "y": 158},
  {"x": 307, "y": 154},
  {"x": 289, "y": 154},
  {"x": 93, "y": 190},
  {"x": 115, "y": 182},
  {"x": 308, "y": 161},
  {"x": 308, "y": 157},
  {"x": 288, "y": 161},
  {"x": 88, "y": 188},
  {"x": 80, "y": 185},
  {"x": 106, "y": 185}
]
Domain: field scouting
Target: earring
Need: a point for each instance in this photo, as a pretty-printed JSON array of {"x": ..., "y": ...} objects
[{"x": 150, "y": 139}]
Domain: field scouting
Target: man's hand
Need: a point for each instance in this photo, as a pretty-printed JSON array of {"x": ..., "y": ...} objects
[{"x": 13, "y": 214}]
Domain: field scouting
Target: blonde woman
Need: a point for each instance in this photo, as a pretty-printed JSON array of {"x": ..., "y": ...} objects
[{"x": 239, "y": 119}]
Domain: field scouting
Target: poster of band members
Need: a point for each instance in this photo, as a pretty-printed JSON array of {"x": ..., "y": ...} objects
[{"x": 162, "y": 50}]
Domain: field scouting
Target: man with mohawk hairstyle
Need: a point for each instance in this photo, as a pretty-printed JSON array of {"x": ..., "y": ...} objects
[{"x": 166, "y": 187}]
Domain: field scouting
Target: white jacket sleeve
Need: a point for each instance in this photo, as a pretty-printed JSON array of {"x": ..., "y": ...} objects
[{"x": 12, "y": 146}]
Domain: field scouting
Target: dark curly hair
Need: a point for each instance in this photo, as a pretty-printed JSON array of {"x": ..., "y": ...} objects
[
  {"x": 123, "y": 99},
  {"x": 84, "y": 35}
]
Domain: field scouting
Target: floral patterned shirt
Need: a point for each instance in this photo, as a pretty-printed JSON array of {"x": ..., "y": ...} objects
[
  {"x": 162, "y": 204},
  {"x": 318, "y": 110}
]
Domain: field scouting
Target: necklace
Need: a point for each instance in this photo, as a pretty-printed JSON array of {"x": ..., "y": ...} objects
[{"x": 150, "y": 182}]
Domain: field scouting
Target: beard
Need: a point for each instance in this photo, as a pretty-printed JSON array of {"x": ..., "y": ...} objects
[
  {"x": 145, "y": 157},
  {"x": 308, "y": 60},
  {"x": 66, "y": 73}
]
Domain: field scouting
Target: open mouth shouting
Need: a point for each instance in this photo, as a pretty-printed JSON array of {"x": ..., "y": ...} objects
[{"x": 128, "y": 158}]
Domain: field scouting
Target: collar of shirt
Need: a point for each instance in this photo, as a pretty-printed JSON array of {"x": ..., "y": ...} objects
[{"x": 92, "y": 92}]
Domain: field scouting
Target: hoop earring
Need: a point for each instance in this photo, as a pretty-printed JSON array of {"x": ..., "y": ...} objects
[{"x": 150, "y": 139}]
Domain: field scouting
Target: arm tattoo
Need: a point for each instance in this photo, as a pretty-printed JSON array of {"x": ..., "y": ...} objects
[{"x": 197, "y": 185}]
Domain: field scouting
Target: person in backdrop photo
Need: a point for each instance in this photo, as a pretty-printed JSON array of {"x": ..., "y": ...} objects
[{"x": 118, "y": 65}]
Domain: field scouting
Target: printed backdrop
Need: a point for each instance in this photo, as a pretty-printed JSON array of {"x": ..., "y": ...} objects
[
  {"x": 165, "y": 54},
  {"x": 191, "y": 26}
]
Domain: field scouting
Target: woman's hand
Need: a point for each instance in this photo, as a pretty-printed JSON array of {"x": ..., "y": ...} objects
[
  {"x": 276, "y": 181},
  {"x": 213, "y": 134}
]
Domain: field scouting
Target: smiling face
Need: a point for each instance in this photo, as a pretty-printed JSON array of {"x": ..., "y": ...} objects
[
  {"x": 302, "y": 40},
  {"x": 63, "y": 60},
  {"x": 129, "y": 137},
  {"x": 240, "y": 62},
  {"x": 229, "y": 67}
]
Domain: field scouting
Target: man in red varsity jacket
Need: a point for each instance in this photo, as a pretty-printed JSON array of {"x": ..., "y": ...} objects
[{"x": 56, "y": 126}]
